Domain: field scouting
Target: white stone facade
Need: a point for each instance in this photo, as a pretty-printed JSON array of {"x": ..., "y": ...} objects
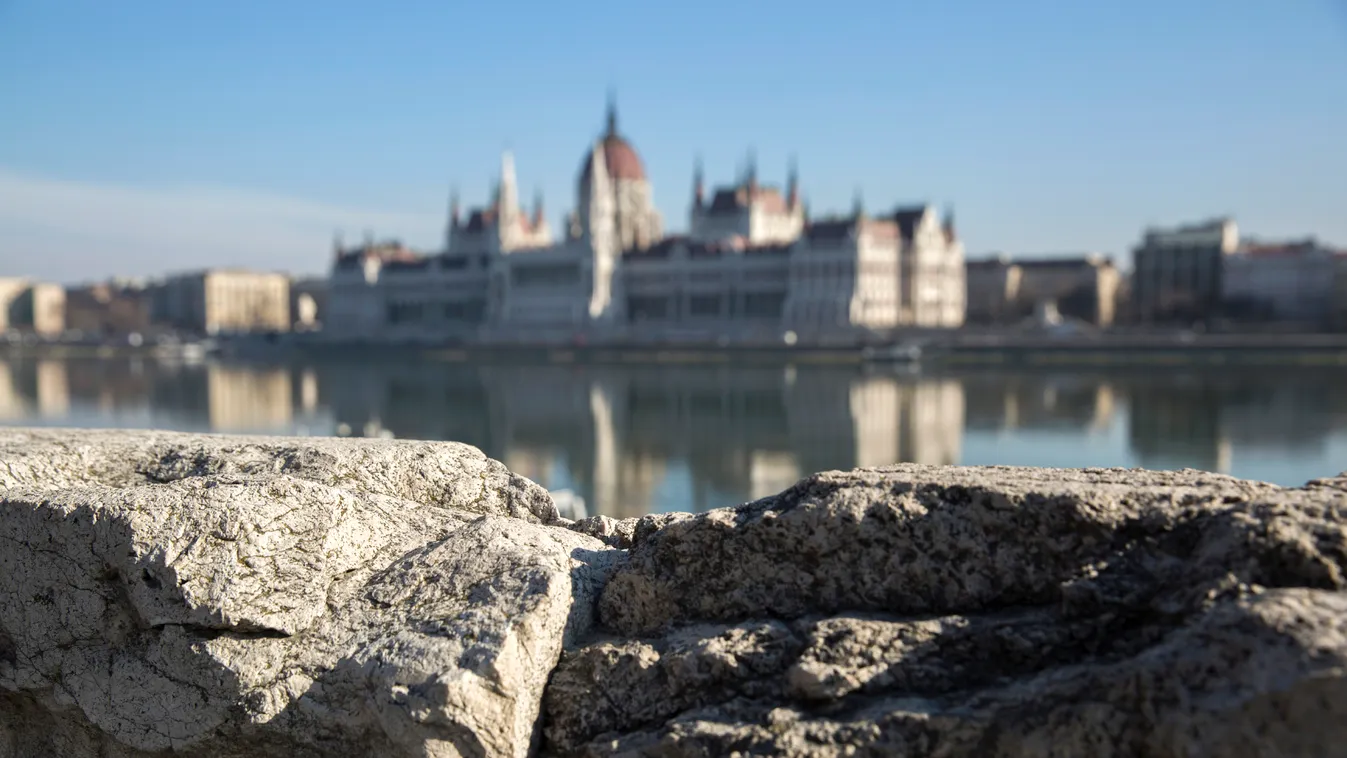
[
  {"x": 1291, "y": 282},
  {"x": 752, "y": 265}
]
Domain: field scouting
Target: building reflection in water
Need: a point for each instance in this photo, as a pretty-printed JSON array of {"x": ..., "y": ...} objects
[
  {"x": 53, "y": 389},
  {"x": 631, "y": 439},
  {"x": 248, "y": 399},
  {"x": 12, "y": 408},
  {"x": 142, "y": 393}
]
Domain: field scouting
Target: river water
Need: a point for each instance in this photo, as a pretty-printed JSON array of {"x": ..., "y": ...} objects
[{"x": 634, "y": 439}]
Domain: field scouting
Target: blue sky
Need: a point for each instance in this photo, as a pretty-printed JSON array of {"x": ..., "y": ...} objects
[{"x": 150, "y": 135}]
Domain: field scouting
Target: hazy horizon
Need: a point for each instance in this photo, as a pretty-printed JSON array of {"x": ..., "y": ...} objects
[{"x": 166, "y": 136}]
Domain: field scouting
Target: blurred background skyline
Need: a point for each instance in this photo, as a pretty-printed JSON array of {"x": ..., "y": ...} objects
[{"x": 163, "y": 136}]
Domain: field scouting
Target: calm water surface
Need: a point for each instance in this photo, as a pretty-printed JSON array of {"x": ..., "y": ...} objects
[{"x": 634, "y": 439}]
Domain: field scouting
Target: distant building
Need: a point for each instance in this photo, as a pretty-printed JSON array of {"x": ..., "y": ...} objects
[
  {"x": 759, "y": 214},
  {"x": 108, "y": 308},
  {"x": 1177, "y": 272},
  {"x": 1339, "y": 312},
  {"x": 992, "y": 286},
  {"x": 363, "y": 304},
  {"x": 752, "y": 263},
  {"x": 34, "y": 307},
  {"x": 1002, "y": 290},
  {"x": 223, "y": 301},
  {"x": 1284, "y": 282}
]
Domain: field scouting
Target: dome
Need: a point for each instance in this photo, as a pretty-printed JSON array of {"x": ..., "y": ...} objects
[{"x": 619, "y": 156}]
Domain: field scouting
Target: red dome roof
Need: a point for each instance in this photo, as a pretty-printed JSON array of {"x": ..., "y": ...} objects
[{"x": 619, "y": 156}]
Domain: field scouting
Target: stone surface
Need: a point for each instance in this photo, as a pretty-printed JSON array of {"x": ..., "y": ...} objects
[
  {"x": 229, "y": 610},
  {"x": 623, "y": 533},
  {"x": 448, "y": 474},
  {"x": 975, "y": 612},
  {"x": 232, "y": 597}
]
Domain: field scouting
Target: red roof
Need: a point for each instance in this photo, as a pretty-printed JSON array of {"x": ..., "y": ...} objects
[
  {"x": 620, "y": 158},
  {"x": 1279, "y": 250},
  {"x": 881, "y": 229},
  {"x": 729, "y": 199}
]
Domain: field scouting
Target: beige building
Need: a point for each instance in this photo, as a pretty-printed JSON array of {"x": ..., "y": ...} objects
[
  {"x": 34, "y": 307},
  {"x": 224, "y": 301},
  {"x": 1002, "y": 290}
]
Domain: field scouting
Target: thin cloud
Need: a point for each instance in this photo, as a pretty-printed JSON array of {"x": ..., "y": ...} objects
[{"x": 71, "y": 231}]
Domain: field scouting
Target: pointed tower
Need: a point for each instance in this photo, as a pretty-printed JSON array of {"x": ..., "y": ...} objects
[
  {"x": 451, "y": 229},
  {"x": 600, "y": 201},
  {"x": 601, "y": 232},
  {"x": 792, "y": 185},
  {"x": 698, "y": 185},
  {"x": 858, "y": 206},
  {"x": 751, "y": 180},
  {"x": 538, "y": 209},
  {"x": 509, "y": 188},
  {"x": 611, "y": 130}
]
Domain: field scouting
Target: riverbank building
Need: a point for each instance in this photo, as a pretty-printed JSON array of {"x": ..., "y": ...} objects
[{"x": 752, "y": 266}]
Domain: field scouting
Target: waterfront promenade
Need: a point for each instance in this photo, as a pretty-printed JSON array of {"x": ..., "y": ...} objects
[{"x": 954, "y": 347}]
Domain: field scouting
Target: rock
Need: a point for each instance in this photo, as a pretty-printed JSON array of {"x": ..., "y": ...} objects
[
  {"x": 448, "y": 474},
  {"x": 975, "y": 611},
  {"x": 251, "y": 613},
  {"x": 911, "y": 539},
  {"x": 624, "y": 533},
  {"x": 1261, "y": 675},
  {"x": 613, "y": 532},
  {"x": 242, "y": 597}
]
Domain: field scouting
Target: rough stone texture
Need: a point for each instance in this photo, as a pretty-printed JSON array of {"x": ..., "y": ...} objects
[
  {"x": 223, "y": 597},
  {"x": 230, "y": 610},
  {"x": 448, "y": 474},
  {"x": 623, "y": 533},
  {"x": 975, "y": 612}
]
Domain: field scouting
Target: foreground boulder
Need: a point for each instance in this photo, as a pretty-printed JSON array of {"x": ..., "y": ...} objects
[
  {"x": 215, "y": 596},
  {"x": 235, "y": 610},
  {"x": 447, "y": 474},
  {"x": 975, "y": 612}
]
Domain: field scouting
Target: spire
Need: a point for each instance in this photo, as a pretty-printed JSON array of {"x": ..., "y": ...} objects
[
  {"x": 858, "y": 206},
  {"x": 612, "y": 113},
  {"x": 601, "y": 202},
  {"x": 509, "y": 192},
  {"x": 337, "y": 242},
  {"x": 453, "y": 208},
  {"x": 752, "y": 179},
  {"x": 537, "y": 208},
  {"x": 792, "y": 184},
  {"x": 698, "y": 184}
]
